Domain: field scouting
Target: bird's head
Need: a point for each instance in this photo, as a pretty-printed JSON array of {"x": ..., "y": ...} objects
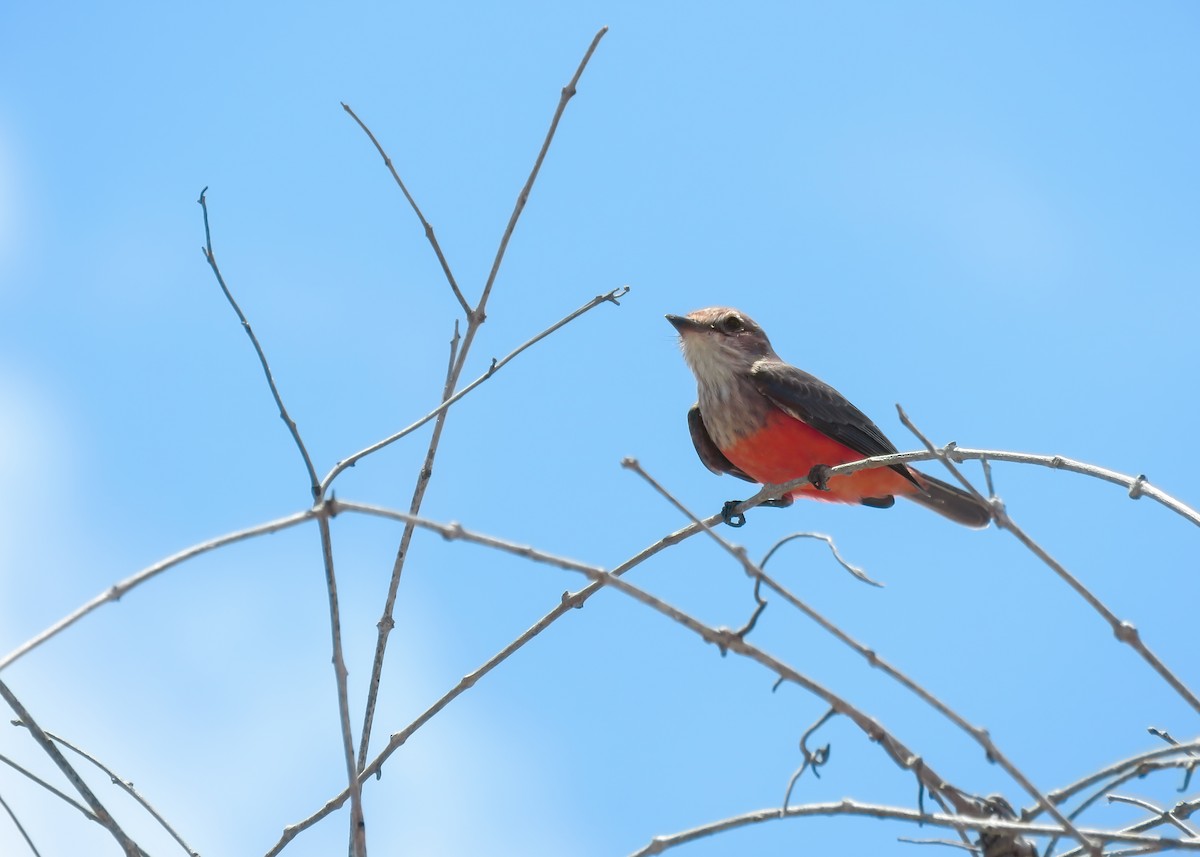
[{"x": 720, "y": 344}]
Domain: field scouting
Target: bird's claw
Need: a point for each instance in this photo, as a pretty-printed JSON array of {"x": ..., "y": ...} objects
[
  {"x": 730, "y": 516},
  {"x": 819, "y": 477}
]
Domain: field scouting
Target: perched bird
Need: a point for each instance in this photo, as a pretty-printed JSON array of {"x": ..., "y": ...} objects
[{"x": 763, "y": 420}]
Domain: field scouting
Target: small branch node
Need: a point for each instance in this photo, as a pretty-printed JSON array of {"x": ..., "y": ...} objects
[
  {"x": 1135, "y": 490},
  {"x": 1126, "y": 632}
]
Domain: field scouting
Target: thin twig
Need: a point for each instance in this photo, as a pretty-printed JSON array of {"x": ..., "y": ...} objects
[
  {"x": 114, "y": 593},
  {"x": 1164, "y": 815},
  {"x": 20, "y": 827},
  {"x": 568, "y": 92},
  {"x": 102, "y": 815},
  {"x": 207, "y": 249},
  {"x": 127, "y": 787},
  {"x": 496, "y": 365},
  {"x": 1124, "y": 631},
  {"x": 34, "y": 778},
  {"x": 837, "y": 555},
  {"x": 965, "y": 846},
  {"x": 437, "y": 248},
  {"x": 358, "y": 832},
  {"x": 979, "y": 734},
  {"x": 813, "y": 760}
]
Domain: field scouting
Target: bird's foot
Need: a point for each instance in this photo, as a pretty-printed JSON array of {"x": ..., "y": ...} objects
[
  {"x": 733, "y": 518},
  {"x": 819, "y": 477},
  {"x": 730, "y": 516}
]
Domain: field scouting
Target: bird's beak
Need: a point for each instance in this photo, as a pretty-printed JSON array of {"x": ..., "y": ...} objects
[{"x": 685, "y": 325}]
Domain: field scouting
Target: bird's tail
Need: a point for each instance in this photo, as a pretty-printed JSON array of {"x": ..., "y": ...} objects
[{"x": 953, "y": 503}]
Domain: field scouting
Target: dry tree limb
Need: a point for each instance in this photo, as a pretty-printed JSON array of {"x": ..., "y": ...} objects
[
  {"x": 475, "y": 318},
  {"x": 114, "y": 592}
]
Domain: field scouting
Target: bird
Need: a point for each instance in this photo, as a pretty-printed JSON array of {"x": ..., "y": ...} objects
[{"x": 763, "y": 420}]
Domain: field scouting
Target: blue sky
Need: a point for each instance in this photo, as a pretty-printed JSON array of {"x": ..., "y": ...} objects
[{"x": 985, "y": 213}]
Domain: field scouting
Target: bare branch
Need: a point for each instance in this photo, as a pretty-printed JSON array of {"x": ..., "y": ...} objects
[
  {"x": 207, "y": 249},
  {"x": 568, "y": 93},
  {"x": 115, "y": 592},
  {"x": 102, "y": 815},
  {"x": 437, "y": 248}
]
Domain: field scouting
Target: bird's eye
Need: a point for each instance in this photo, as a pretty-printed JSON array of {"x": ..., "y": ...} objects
[{"x": 731, "y": 324}]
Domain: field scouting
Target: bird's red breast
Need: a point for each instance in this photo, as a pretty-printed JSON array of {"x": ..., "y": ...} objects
[{"x": 785, "y": 448}]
